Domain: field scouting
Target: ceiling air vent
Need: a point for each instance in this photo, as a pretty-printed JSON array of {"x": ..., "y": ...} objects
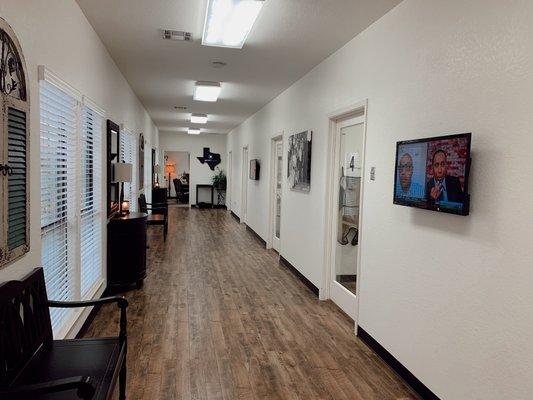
[{"x": 177, "y": 35}]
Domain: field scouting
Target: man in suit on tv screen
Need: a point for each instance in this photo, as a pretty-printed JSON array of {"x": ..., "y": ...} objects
[{"x": 443, "y": 188}]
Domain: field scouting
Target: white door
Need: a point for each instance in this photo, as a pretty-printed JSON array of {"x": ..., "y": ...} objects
[
  {"x": 244, "y": 193},
  {"x": 346, "y": 226},
  {"x": 278, "y": 171},
  {"x": 229, "y": 182}
]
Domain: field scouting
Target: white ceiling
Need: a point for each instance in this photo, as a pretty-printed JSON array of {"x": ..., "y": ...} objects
[{"x": 288, "y": 39}]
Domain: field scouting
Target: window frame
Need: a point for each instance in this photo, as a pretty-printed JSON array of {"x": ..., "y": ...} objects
[{"x": 74, "y": 216}]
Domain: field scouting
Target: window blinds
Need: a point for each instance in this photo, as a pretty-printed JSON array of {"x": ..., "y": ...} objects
[
  {"x": 58, "y": 174},
  {"x": 128, "y": 154},
  {"x": 71, "y": 198},
  {"x": 91, "y": 199}
]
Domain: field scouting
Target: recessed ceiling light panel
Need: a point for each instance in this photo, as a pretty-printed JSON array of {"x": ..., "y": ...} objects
[
  {"x": 206, "y": 91},
  {"x": 193, "y": 131},
  {"x": 199, "y": 118},
  {"x": 228, "y": 22}
]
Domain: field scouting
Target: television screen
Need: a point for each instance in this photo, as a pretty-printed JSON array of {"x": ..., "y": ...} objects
[{"x": 433, "y": 173}]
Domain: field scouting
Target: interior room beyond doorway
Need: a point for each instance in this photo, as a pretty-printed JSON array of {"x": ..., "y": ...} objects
[{"x": 177, "y": 176}]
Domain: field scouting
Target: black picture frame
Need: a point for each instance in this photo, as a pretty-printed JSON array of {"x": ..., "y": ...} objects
[
  {"x": 141, "y": 161},
  {"x": 255, "y": 167},
  {"x": 113, "y": 156}
]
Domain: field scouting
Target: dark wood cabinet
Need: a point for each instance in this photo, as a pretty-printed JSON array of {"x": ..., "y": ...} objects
[{"x": 126, "y": 251}]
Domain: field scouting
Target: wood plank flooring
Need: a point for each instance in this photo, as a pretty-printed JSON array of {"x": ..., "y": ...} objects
[{"x": 219, "y": 318}]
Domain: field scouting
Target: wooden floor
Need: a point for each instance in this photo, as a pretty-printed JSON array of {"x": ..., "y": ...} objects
[{"x": 219, "y": 318}]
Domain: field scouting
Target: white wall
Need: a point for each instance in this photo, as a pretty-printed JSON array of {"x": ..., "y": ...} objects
[
  {"x": 55, "y": 33},
  {"x": 194, "y": 144},
  {"x": 448, "y": 296}
]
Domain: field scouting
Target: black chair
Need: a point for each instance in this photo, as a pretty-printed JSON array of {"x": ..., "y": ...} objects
[
  {"x": 34, "y": 366},
  {"x": 182, "y": 191},
  {"x": 157, "y": 214}
]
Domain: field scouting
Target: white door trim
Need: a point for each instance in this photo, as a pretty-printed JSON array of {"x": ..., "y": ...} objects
[
  {"x": 244, "y": 184},
  {"x": 229, "y": 183},
  {"x": 336, "y": 116},
  {"x": 272, "y": 186}
]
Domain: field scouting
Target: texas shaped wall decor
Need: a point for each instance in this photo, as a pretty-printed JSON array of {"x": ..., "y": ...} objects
[{"x": 211, "y": 159}]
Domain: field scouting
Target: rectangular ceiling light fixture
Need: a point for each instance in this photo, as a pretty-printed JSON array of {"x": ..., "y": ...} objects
[
  {"x": 206, "y": 91},
  {"x": 228, "y": 22},
  {"x": 199, "y": 118},
  {"x": 193, "y": 131}
]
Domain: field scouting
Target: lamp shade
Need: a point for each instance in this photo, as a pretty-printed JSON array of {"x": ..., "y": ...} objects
[
  {"x": 123, "y": 172},
  {"x": 170, "y": 168}
]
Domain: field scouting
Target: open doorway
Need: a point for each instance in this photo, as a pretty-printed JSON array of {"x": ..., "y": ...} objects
[
  {"x": 230, "y": 182},
  {"x": 276, "y": 179},
  {"x": 244, "y": 186},
  {"x": 177, "y": 176},
  {"x": 345, "y": 203}
]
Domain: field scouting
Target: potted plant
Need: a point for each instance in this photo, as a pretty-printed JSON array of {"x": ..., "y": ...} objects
[{"x": 219, "y": 180}]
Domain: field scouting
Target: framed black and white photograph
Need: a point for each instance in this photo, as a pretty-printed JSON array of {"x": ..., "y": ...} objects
[
  {"x": 299, "y": 161},
  {"x": 254, "y": 169}
]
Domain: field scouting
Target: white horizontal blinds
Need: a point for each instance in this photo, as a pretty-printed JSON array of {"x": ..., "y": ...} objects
[
  {"x": 128, "y": 154},
  {"x": 91, "y": 200},
  {"x": 17, "y": 150},
  {"x": 59, "y": 116}
]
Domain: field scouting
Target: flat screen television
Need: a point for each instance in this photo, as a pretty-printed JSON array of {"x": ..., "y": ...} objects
[{"x": 432, "y": 173}]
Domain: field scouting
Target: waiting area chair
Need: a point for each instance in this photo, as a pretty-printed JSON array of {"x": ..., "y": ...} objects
[
  {"x": 157, "y": 214},
  {"x": 182, "y": 191},
  {"x": 34, "y": 366}
]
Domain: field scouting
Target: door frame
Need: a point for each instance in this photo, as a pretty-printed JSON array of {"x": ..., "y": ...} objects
[
  {"x": 244, "y": 184},
  {"x": 333, "y": 159},
  {"x": 272, "y": 186},
  {"x": 229, "y": 183}
]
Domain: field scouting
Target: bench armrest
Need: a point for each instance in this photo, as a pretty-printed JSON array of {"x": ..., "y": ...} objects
[
  {"x": 83, "y": 384},
  {"x": 157, "y": 208},
  {"x": 158, "y": 205},
  {"x": 121, "y": 302}
]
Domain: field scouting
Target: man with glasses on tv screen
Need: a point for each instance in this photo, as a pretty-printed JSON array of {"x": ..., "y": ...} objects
[
  {"x": 443, "y": 188},
  {"x": 406, "y": 188}
]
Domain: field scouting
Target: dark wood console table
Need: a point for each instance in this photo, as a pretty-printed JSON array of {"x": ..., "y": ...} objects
[{"x": 126, "y": 251}]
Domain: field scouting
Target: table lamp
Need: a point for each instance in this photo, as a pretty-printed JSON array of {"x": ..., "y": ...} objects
[{"x": 123, "y": 173}]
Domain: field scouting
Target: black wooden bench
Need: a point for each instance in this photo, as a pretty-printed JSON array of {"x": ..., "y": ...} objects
[{"x": 34, "y": 366}]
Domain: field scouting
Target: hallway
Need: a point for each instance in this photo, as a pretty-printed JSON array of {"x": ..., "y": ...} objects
[{"x": 219, "y": 318}]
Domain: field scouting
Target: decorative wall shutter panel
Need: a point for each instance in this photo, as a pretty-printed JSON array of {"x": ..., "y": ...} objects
[
  {"x": 14, "y": 152},
  {"x": 17, "y": 190}
]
